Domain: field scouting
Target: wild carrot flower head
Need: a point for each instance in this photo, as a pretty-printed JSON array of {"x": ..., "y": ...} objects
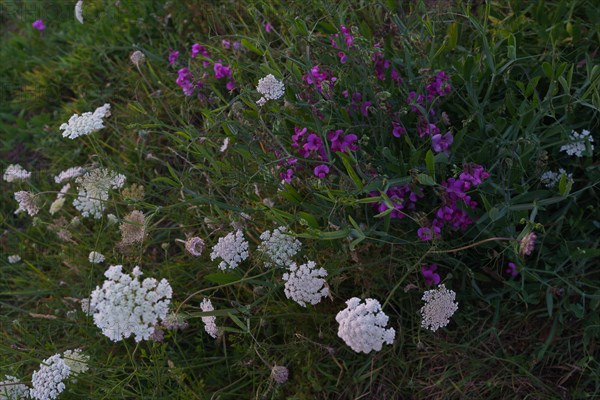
[
  {"x": 11, "y": 388},
  {"x": 439, "y": 307},
  {"x": 93, "y": 191},
  {"x": 47, "y": 381},
  {"x": 15, "y": 172},
  {"x": 27, "y": 202},
  {"x": 362, "y": 326},
  {"x": 194, "y": 246},
  {"x": 305, "y": 283},
  {"x": 232, "y": 249},
  {"x": 278, "y": 247},
  {"x": 86, "y": 123},
  {"x": 133, "y": 228},
  {"x": 209, "y": 322},
  {"x": 579, "y": 144},
  {"x": 279, "y": 374},
  {"x": 270, "y": 87}
]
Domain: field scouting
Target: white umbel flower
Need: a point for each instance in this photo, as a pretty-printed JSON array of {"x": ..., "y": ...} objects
[
  {"x": 27, "y": 203},
  {"x": 79, "y": 11},
  {"x": 93, "y": 191},
  {"x": 137, "y": 57},
  {"x": 233, "y": 249},
  {"x": 362, "y": 326},
  {"x": 47, "y": 381},
  {"x": 12, "y": 389},
  {"x": 270, "y": 88},
  {"x": 551, "y": 178},
  {"x": 124, "y": 306},
  {"x": 195, "y": 246},
  {"x": 209, "y": 322},
  {"x": 579, "y": 142},
  {"x": 439, "y": 307},
  {"x": 15, "y": 172},
  {"x": 305, "y": 283},
  {"x": 76, "y": 360},
  {"x": 278, "y": 247},
  {"x": 86, "y": 123},
  {"x": 14, "y": 259},
  {"x": 96, "y": 258},
  {"x": 70, "y": 173}
]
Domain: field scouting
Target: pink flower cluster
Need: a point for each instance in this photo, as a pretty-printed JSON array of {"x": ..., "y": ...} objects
[
  {"x": 429, "y": 274},
  {"x": 404, "y": 199},
  {"x": 455, "y": 196},
  {"x": 309, "y": 145},
  {"x": 318, "y": 78},
  {"x": 185, "y": 78}
]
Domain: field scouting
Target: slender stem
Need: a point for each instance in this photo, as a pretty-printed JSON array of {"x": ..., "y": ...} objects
[{"x": 473, "y": 245}]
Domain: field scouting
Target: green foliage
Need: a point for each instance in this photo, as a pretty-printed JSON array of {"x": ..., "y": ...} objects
[{"x": 524, "y": 75}]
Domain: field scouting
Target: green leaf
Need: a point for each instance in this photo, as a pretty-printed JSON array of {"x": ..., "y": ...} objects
[
  {"x": 430, "y": 162},
  {"x": 221, "y": 278},
  {"x": 549, "y": 302},
  {"x": 251, "y": 47},
  {"x": 425, "y": 179},
  {"x": 310, "y": 219},
  {"x": 347, "y": 161},
  {"x": 547, "y": 68},
  {"x": 239, "y": 323},
  {"x": 564, "y": 185}
]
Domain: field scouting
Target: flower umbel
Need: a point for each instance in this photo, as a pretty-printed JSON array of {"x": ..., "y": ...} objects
[
  {"x": 47, "y": 381},
  {"x": 209, "y": 322},
  {"x": 232, "y": 249},
  {"x": 279, "y": 247},
  {"x": 86, "y": 123},
  {"x": 305, "y": 283},
  {"x": 439, "y": 307}
]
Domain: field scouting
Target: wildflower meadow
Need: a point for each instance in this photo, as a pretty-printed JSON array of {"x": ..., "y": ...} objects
[{"x": 299, "y": 200}]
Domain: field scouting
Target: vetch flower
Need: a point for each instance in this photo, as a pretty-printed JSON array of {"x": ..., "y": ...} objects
[
  {"x": 39, "y": 25},
  {"x": 321, "y": 171},
  {"x": 511, "y": 269},
  {"x": 439, "y": 307},
  {"x": 232, "y": 249},
  {"x": 14, "y": 173},
  {"x": 278, "y": 247},
  {"x": 441, "y": 143},
  {"x": 209, "y": 322},
  {"x": 86, "y": 123},
  {"x": 305, "y": 283},
  {"x": 428, "y": 272},
  {"x": 362, "y": 326},
  {"x": 47, "y": 381},
  {"x": 173, "y": 56},
  {"x": 124, "y": 306}
]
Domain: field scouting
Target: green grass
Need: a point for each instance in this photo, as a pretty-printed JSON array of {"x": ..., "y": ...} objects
[{"x": 523, "y": 74}]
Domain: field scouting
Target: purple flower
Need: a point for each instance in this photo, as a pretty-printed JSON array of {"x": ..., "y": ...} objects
[
  {"x": 441, "y": 143},
  {"x": 429, "y": 233},
  {"x": 313, "y": 142},
  {"x": 237, "y": 46},
  {"x": 440, "y": 86},
  {"x": 268, "y": 27},
  {"x": 184, "y": 80},
  {"x": 230, "y": 85},
  {"x": 226, "y": 44},
  {"x": 199, "y": 49},
  {"x": 173, "y": 55},
  {"x": 39, "y": 25},
  {"x": 343, "y": 57},
  {"x": 364, "y": 108},
  {"x": 428, "y": 272},
  {"x": 424, "y": 128},
  {"x": 413, "y": 100},
  {"x": 321, "y": 171},
  {"x": 221, "y": 71},
  {"x": 511, "y": 269},
  {"x": 397, "y": 129},
  {"x": 287, "y": 175}
]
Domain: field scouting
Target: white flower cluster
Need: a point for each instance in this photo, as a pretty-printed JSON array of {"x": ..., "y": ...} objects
[
  {"x": 86, "y": 123},
  {"x": 279, "y": 247},
  {"x": 209, "y": 322},
  {"x": 124, "y": 306},
  {"x": 93, "y": 191},
  {"x": 305, "y": 283},
  {"x": 70, "y": 173},
  {"x": 96, "y": 258},
  {"x": 47, "y": 381},
  {"x": 233, "y": 249},
  {"x": 579, "y": 143},
  {"x": 551, "y": 178},
  {"x": 439, "y": 307},
  {"x": 77, "y": 361},
  {"x": 362, "y": 326},
  {"x": 270, "y": 88},
  {"x": 14, "y": 259},
  {"x": 15, "y": 172},
  {"x": 12, "y": 389},
  {"x": 79, "y": 11},
  {"x": 195, "y": 246},
  {"x": 26, "y": 202}
]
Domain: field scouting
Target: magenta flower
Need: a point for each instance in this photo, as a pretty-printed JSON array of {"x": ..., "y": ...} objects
[
  {"x": 222, "y": 71},
  {"x": 343, "y": 57},
  {"x": 511, "y": 269},
  {"x": 313, "y": 142},
  {"x": 441, "y": 143},
  {"x": 397, "y": 129},
  {"x": 429, "y": 233},
  {"x": 184, "y": 80},
  {"x": 173, "y": 56},
  {"x": 226, "y": 44},
  {"x": 321, "y": 171},
  {"x": 287, "y": 175},
  {"x": 39, "y": 25},
  {"x": 428, "y": 272},
  {"x": 364, "y": 108},
  {"x": 268, "y": 27},
  {"x": 230, "y": 85}
]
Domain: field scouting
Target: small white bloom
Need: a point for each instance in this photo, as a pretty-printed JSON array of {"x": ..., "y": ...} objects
[
  {"x": 112, "y": 219},
  {"x": 362, "y": 326},
  {"x": 439, "y": 307},
  {"x": 270, "y": 88},
  {"x": 96, "y": 258},
  {"x": 124, "y": 306},
  {"x": 233, "y": 249},
  {"x": 305, "y": 283},
  {"x": 137, "y": 57},
  {"x": 280, "y": 374},
  {"x": 70, "y": 173},
  {"x": 14, "y": 259},
  {"x": 579, "y": 142},
  {"x": 57, "y": 205},
  {"x": 93, "y": 191},
  {"x": 76, "y": 360},
  {"x": 15, "y": 172},
  {"x": 279, "y": 247},
  {"x": 224, "y": 145},
  {"x": 86, "y": 123},
  {"x": 12, "y": 389},
  {"x": 27, "y": 202},
  {"x": 79, "y": 11},
  {"x": 209, "y": 322},
  {"x": 550, "y": 178},
  {"x": 47, "y": 381},
  {"x": 195, "y": 246}
]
